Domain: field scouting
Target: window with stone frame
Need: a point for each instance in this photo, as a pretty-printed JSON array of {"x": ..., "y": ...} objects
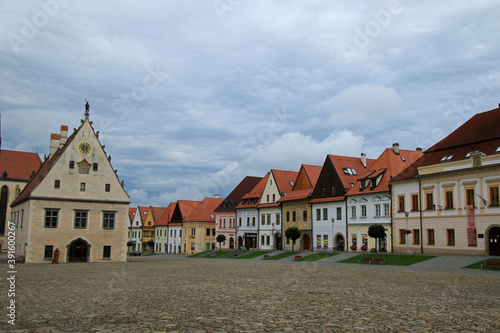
[
  {"x": 318, "y": 214},
  {"x": 450, "y": 237},
  {"x": 106, "y": 252},
  {"x": 81, "y": 217},
  {"x": 402, "y": 236},
  {"x": 401, "y": 203},
  {"x": 268, "y": 219},
  {"x": 108, "y": 220},
  {"x": 49, "y": 250},
  {"x": 429, "y": 201},
  {"x": 414, "y": 202},
  {"x": 339, "y": 213},
  {"x": 51, "y": 218},
  {"x": 430, "y": 237},
  {"x": 325, "y": 214},
  {"x": 448, "y": 197},
  {"x": 387, "y": 209},
  {"x": 377, "y": 210},
  {"x": 353, "y": 212},
  {"x": 470, "y": 197},
  {"x": 363, "y": 210},
  {"x": 494, "y": 201},
  {"x": 416, "y": 236}
]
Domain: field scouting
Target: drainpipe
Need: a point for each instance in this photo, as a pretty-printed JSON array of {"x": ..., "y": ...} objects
[
  {"x": 312, "y": 229},
  {"x": 420, "y": 213},
  {"x": 392, "y": 221}
]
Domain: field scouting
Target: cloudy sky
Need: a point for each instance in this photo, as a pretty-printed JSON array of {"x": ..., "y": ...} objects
[{"x": 192, "y": 96}]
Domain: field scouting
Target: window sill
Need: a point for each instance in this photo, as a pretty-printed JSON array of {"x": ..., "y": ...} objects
[{"x": 106, "y": 258}]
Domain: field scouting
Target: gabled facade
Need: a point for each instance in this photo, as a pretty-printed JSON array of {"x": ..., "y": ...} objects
[
  {"x": 135, "y": 227},
  {"x": 296, "y": 208},
  {"x": 225, "y": 214},
  {"x": 161, "y": 229},
  {"x": 369, "y": 200},
  {"x": 148, "y": 228},
  {"x": 199, "y": 226},
  {"x": 328, "y": 205},
  {"x": 16, "y": 168},
  {"x": 448, "y": 199},
  {"x": 278, "y": 184},
  {"x": 182, "y": 209},
  {"x": 247, "y": 216},
  {"x": 74, "y": 203}
]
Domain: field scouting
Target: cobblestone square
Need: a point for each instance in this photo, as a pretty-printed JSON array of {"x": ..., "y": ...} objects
[{"x": 150, "y": 294}]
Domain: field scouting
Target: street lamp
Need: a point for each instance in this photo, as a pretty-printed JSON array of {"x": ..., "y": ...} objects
[
  {"x": 333, "y": 234},
  {"x": 406, "y": 233}
]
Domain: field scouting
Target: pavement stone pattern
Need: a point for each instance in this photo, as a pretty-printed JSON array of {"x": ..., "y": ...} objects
[{"x": 172, "y": 293}]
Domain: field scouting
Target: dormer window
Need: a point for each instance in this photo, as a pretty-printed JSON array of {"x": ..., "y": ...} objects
[
  {"x": 471, "y": 152},
  {"x": 403, "y": 159},
  {"x": 447, "y": 158},
  {"x": 350, "y": 171},
  {"x": 291, "y": 182}
]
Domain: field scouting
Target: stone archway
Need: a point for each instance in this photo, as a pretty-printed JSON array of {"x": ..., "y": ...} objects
[
  {"x": 78, "y": 251},
  {"x": 340, "y": 243},
  {"x": 494, "y": 241}
]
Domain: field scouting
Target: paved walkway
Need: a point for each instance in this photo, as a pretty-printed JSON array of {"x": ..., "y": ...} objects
[
  {"x": 171, "y": 293},
  {"x": 441, "y": 263}
]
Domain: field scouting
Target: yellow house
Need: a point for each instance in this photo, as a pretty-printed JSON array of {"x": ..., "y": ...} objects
[
  {"x": 296, "y": 208},
  {"x": 148, "y": 228},
  {"x": 198, "y": 228}
]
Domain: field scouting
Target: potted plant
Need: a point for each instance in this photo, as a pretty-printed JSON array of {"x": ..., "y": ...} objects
[
  {"x": 364, "y": 248},
  {"x": 353, "y": 247}
]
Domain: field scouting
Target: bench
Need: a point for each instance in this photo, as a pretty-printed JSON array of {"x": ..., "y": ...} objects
[
  {"x": 297, "y": 257},
  {"x": 490, "y": 263},
  {"x": 372, "y": 260},
  {"x": 266, "y": 255}
]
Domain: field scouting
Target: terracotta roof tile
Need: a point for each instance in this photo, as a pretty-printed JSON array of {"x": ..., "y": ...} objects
[
  {"x": 166, "y": 216},
  {"x": 18, "y": 165},
  {"x": 204, "y": 212},
  {"x": 342, "y": 165},
  {"x": 234, "y": 198},
  {"x": 252, "y": 198},
  {"x": 283, "y": 179}
]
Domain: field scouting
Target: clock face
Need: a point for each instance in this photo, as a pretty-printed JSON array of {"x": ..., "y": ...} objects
[{"x": 84, "y": 148}]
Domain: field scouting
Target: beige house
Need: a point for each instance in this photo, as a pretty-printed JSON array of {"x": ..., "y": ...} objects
[
  {"x": 448, "y": 200},
  {"x": 74, "y": 203}
]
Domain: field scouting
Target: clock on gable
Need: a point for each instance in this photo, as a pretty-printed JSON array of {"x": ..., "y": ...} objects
[{"x": 84, "y": 148}]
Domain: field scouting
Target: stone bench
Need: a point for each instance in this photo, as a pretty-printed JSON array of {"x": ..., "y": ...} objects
[
  {"x": 490, "y": 263},
  {"x": 266, "y": 256},
  {"x": 297, "y": 257}
]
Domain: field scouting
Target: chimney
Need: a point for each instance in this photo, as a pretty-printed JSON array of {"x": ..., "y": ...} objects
[
  {"x": 64, "y": 135},
  {"x": 419, "y": 149},
  {"x": 363, "y": 159},
  {"x": 216, "y": 196},
  {"x": 54, "y": 143},
  {"x": 395, "y": 147}
]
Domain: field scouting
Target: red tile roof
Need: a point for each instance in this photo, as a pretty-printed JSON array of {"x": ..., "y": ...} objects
[
  {"x": 18, "y": 165},
  {"x": 234, "y": 198},
  {"x": 186, "y": 207},
  {"x": 252, "y": 198},
  {"x": 346, "y": 162},
  {"x": 166, "y": 216},
  {"x": 304, "y": 184},
  {"x": 479, "y": 133},
  {"x": 297, "y": 195},
  {"x": 204, "y": 212},
  {"x": 388, "y": 165},
  {"x": 131, "y": 213},
  {"x": 284, "y": 180}
]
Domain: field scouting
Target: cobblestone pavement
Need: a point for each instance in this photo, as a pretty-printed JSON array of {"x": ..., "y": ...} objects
[{"x": 176, "y": 294}]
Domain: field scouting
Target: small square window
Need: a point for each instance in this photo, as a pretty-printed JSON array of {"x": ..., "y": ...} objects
[
  {"x": 107, "y": 187},
  {"x": 57, "y": 183},
  {"x": 49, "y": 249},
  {"x": 82, "y": 187},
  {"x": 71, "y": 164},
  {"x": 106, "y": 252},
  {"x": 108, "y": 220},
  {"x": 95, "y": 166},
  {"x": 51, "y": 218}
]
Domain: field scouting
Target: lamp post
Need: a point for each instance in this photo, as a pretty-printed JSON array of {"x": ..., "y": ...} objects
[
  {"x": 406, "y": 233},
  {"x": 333, "y": 234}
]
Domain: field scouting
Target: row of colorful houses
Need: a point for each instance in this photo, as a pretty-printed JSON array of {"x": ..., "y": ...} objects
[{"x": 441, "y": 200}]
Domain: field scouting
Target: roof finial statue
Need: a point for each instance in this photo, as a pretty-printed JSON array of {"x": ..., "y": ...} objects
[{"x": 87, "y": 108}]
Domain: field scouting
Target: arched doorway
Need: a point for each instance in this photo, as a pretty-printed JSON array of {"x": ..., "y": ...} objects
[
  {"x": 277, "y": 242},
  {"x": 78, "y": 251},
  {"x": 340, "y": 243},
  {"x": 494, "y": 241},
  {"x": 231, "y": 243},
  {"x": 306, "y": 241}
]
